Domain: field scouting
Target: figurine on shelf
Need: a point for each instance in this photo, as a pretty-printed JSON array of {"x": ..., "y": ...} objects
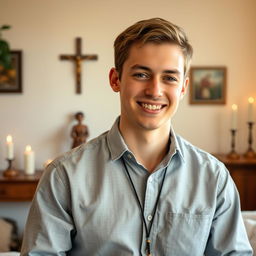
[{"x": 80, "y": 131}]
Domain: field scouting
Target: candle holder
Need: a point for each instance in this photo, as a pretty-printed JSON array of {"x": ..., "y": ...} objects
[
  {"x": 232, "y": 154},
  {"x": 10, "y": 171},
  {"x": 250, "y": 152}
]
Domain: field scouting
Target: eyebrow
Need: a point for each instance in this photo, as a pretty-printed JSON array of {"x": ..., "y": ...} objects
[{"x": 168, "y": 71}]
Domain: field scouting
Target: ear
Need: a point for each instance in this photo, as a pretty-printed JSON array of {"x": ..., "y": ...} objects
[
  {"x": 114, "y": 80},
  {"x": 184, "y": 87}
]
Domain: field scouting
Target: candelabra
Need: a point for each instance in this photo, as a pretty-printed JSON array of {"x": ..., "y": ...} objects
[
  {"x": 232, "y": 154},
  {"x": 250, "y": 152},
  {"x": 10, "y": 171}
]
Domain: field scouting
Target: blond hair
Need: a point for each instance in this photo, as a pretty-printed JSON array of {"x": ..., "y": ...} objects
[{"x": 155, "y": 30}]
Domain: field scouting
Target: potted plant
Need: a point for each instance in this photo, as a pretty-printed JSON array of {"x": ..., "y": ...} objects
[
  {"x": 5, "y": 55},
  {"x": 7, "y": 73}
]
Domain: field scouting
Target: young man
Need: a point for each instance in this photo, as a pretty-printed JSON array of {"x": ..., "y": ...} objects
[{"x": 139, "y": 189}]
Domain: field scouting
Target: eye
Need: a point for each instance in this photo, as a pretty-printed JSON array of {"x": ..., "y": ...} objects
[
  {"x": 141, "y": 75},
  {"x": 170, "y": 79}
]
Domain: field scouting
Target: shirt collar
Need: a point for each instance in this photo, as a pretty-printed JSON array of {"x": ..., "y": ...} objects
[
  {"x": 116, "y": 142},
  {"x": 175, "y": 145},
  {"x": 118, "y": 147}
]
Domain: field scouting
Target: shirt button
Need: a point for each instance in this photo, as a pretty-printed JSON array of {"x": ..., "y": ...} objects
[
  {"x": 150, "y": 179},
  {"x": 149, "y": 217},
  {"x": 129, "y": 156}
]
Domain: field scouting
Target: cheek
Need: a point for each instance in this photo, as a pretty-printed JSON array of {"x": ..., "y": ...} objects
[
  {"x": 175, "y": 95},
  {"x": 126, "y": 94},
  {"x": 130, "y": 90}
]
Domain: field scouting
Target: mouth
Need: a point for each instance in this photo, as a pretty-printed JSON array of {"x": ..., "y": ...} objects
[{"x": 152, "y": 107}]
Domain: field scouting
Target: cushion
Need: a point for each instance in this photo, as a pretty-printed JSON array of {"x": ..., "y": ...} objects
[
  {"x": 9, "y": 253},
  {"x": 250, "y": 225},
  {"x": 9, "y": 235},
  {"x": 6, "y": 234}
]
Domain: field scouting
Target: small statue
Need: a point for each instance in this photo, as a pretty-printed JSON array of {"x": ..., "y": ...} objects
[{"x": 79, "y": 132}]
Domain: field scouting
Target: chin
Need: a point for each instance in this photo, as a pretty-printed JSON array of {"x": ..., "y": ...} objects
[{"x": 151, "y": 126}]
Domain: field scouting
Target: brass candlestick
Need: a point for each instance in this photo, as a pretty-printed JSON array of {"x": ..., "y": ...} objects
[
  {"x": 10, "y": 171},
  {"x": 232, "y": 154},
  {"x": 250, "y": 152}
]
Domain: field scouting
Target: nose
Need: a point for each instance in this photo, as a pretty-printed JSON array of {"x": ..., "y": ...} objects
[{"x": 154, "y": 88}]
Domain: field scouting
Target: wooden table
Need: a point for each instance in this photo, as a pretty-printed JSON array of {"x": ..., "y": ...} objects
[
  {"x": 243, "y": 172},
  {"x": 20, "y": 188}
]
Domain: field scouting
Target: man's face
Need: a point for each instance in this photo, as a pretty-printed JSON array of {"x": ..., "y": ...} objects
[{"x": 151, "y": 86}]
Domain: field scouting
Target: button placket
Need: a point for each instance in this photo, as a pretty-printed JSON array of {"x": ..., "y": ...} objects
[
  {"x": 129, "y": 156},
  {"x": 152, "y": 191},
  {"x": 150, "y": 179},
  {"x": 149, "y": 218},
  {"x": 150, "y": 197}
]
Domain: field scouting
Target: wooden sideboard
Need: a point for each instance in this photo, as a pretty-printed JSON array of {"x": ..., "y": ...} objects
[
  {"x": 19, "y": 188},
  {"x": 243, "y": 172}
]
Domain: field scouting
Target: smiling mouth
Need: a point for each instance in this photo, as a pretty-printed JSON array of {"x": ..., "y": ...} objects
[{"x": 152, "y": 107}]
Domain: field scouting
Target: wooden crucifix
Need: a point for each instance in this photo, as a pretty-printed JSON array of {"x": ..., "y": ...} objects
[{"x": 78, "y": 58}]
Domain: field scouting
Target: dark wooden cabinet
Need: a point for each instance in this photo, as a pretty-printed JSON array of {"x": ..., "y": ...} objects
[
  {"x": 19, "y": 188},
  {"x": 243, "y": 172}
]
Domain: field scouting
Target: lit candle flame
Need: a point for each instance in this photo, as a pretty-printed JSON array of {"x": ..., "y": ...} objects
[
  {"x": 28, "y": 148},
  {"x": 251, "y": 100},
  {"x": 9, "y": 139},
  {"x": 234, "y": 107}
]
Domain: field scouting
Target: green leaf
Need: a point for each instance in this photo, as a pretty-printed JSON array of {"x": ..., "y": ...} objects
[
  {"x": 5, "y": 54},
  {"x": 4, "y": 47},
  {"x": 4, "y": 27},
  {"x": 6, "y": 62}
]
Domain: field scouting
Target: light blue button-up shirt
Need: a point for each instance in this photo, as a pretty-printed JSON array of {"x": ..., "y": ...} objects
[{"x": 85, "y": 205}]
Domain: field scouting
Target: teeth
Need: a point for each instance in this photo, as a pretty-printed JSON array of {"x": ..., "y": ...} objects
[{"x": 151, "y": 107}]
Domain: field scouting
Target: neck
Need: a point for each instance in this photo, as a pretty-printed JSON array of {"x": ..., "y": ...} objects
[{"x": 148, "y": 146}]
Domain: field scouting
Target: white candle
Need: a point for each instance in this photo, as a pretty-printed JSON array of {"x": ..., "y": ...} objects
[
  {"x": 234, "y": 117},
  {"x": 29, "y": 161},
  {"x": 9, "y": 147},
  {"x": 250, "y": 109}
]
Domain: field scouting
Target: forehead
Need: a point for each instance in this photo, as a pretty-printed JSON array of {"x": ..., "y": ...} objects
[{"x": 156, "y": 56}]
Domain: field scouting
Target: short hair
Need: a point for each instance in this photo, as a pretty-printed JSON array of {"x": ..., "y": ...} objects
[{"x": 155, "y": 30}]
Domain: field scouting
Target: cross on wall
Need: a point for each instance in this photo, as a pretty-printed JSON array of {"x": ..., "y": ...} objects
[{"x": 77, "y": 58}]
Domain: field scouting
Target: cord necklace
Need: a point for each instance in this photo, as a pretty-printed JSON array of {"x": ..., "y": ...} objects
[{"x": 148, "y": 230}]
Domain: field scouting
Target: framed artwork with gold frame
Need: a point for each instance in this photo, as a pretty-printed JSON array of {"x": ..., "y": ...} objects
[
  {"x": 11, "y": 79},
  {"x": 208, "y": 85}
]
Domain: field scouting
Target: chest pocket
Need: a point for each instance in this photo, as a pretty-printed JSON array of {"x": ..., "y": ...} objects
[{"x": 184, "y": 234}]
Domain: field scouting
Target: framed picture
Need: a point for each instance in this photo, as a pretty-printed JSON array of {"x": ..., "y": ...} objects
[
  {"x": 11, "y": 79},
  {"x": 208, "y": 85}
]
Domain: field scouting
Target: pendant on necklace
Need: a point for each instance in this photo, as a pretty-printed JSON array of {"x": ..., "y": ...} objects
[{"x": 148, "y": 247}]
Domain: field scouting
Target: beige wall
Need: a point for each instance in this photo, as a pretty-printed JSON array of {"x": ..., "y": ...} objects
[{"x": 222, "y": 33}]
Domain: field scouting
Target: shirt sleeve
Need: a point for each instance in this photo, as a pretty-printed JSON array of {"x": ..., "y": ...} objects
[
  {"x": 49, "y": 226},
  {"x": 228, "y": 235}
]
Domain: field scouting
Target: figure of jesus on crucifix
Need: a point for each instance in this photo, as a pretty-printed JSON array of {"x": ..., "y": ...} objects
[{"x": 78, "y": 58}]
